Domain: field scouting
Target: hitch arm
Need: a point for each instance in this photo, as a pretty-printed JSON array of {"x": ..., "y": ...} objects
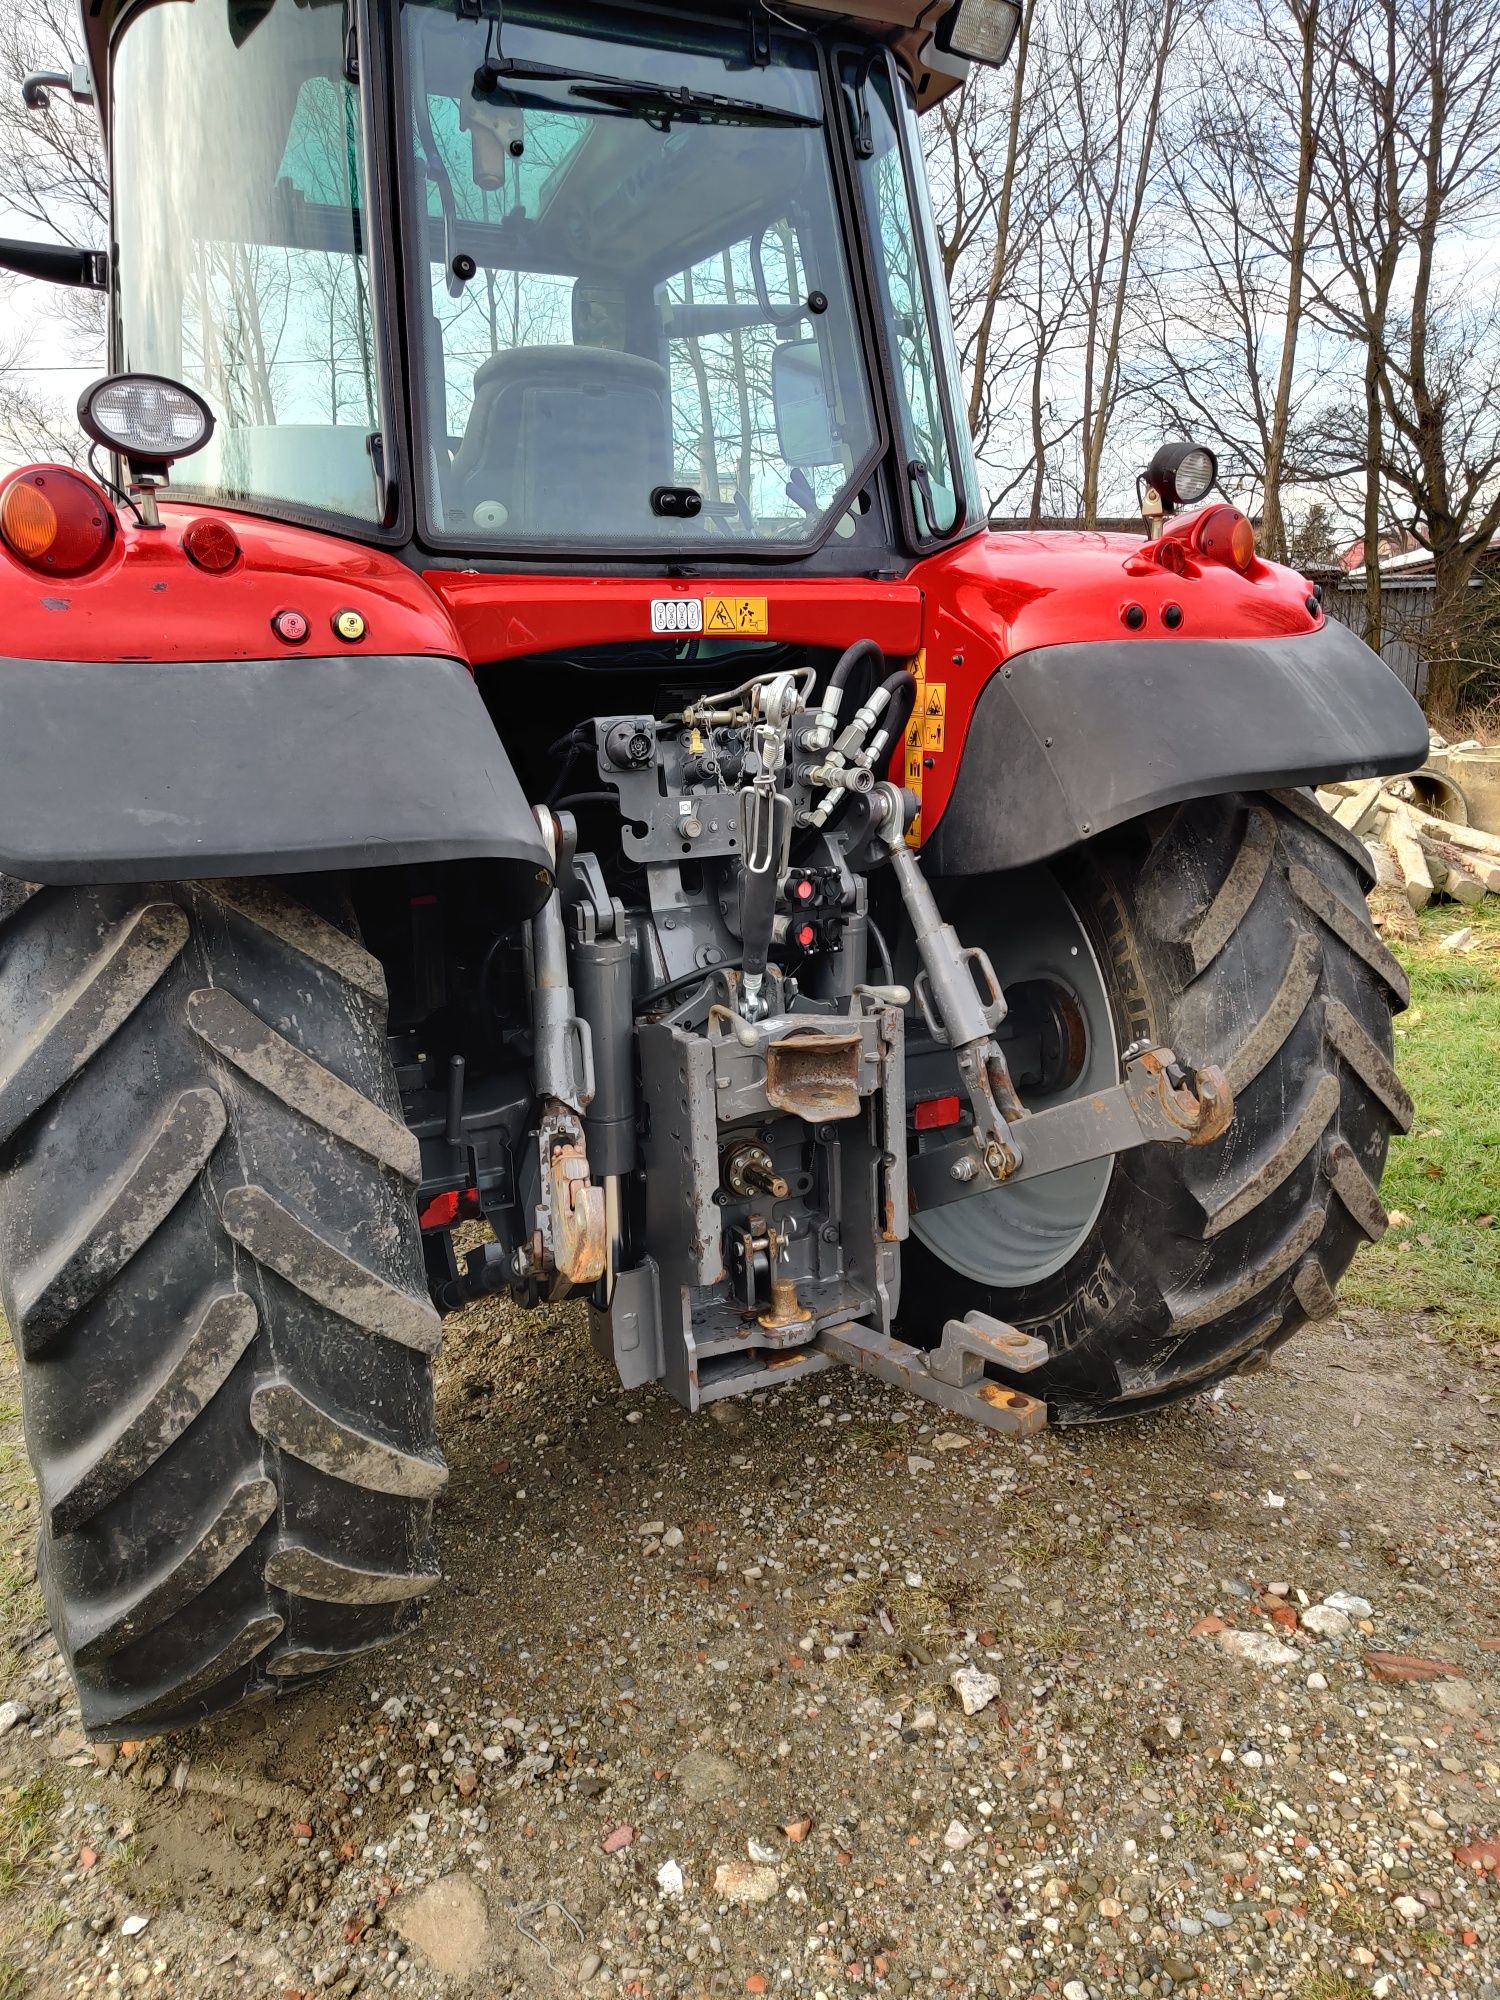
[
  {"x": 1159, "y": 1102},
  {"x": 960, "y": 1000}
]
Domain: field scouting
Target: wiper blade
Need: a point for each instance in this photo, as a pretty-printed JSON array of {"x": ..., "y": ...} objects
[
  {"x": 660, "y": 105},
  {"x": 496, "y": 71},
  {"x": 652, "y": 101}
]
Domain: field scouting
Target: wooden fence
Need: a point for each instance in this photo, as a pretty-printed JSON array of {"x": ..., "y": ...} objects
[{"x": 1406, "y": 616}]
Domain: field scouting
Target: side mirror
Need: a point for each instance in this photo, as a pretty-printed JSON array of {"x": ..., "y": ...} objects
[
  {"x": 55, "y": 263},
  {"x": 75, "y": 81},
  {"x": 799, "y": 397}
]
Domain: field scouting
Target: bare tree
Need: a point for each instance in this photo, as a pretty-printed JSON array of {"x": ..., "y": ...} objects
[
  {"x": 1227, "y": 360},
  {"x": 52, "y": 179},
  {"x": 1411, "y": 172},
  {"x": 30, "y": 426},
  {"x": 1119, "y": 59},
  {"x": 1045, "y": 179},
  {"x": 1313, "y": 94}
]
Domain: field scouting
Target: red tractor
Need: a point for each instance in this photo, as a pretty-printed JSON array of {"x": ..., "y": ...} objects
[{"x": 566, "y": 751}]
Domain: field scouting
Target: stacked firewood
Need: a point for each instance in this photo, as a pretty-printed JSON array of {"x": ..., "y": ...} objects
[{"x": 1417, "y": 856}]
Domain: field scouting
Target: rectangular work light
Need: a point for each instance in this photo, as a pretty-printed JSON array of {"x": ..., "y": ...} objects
[{"x": 981, "y": 31}]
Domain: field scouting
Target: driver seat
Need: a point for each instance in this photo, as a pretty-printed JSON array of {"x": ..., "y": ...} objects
[{"x": 570, "y": 440}]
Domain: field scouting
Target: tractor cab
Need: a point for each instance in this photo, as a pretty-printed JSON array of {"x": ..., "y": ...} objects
[{"x": 581, "y": 284}]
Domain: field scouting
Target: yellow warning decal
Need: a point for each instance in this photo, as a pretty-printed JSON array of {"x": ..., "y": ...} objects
[
  {"x": 932, "y": 733},
  {"x": 932, "y": 699},
  {"x": 915, "y": 764},
  {"x": 736, "y": 616}
]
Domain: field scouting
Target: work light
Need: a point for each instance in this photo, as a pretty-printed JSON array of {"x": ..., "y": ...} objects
[
  {"x": 1182, "y": 474},
  {"x": 981, "y": 31},
  {"x": 149, "y": 419}
]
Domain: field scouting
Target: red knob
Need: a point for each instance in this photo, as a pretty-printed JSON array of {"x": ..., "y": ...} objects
[{"x": 290, "y": 627}]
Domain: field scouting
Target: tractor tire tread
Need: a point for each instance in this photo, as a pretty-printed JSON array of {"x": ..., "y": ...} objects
[
  {"x": 1232, "y": 928},
  {"x": 211, "y": 1265}
]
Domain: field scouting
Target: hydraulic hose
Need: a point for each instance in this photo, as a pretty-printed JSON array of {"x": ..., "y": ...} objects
[
  {"x": 901, "y": 690},
  {"x": 821, "y": 734}
]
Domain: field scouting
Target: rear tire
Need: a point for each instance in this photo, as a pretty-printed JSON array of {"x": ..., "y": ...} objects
[
  {"x": 211, "y": 1266},
  {"x": 1233, "y": 929}
]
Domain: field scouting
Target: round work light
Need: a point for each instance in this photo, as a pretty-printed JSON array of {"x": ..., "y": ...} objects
[
  {"x": 148, "y": 419},
  {"x": 1182, "y": 474}
]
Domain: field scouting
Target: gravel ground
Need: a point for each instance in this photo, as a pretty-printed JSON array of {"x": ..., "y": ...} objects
[{"x": 689, "y": 1716}]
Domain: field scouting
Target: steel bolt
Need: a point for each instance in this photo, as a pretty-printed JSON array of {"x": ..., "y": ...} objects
[{"x": 961, "y": 1170}]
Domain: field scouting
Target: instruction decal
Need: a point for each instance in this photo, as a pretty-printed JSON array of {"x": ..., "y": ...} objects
[
  {"x": 915, "y": 766},
  {"x": 736, "y": 617}
]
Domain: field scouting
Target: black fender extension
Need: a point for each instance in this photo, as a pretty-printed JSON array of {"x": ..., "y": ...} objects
[
  {"x": 1069, "y": 741},
  {"x": 135, "y": 771}
]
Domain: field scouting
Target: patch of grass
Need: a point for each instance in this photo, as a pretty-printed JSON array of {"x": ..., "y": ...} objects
[
  {"x": 1236, "y": 1805},
  {"x": 122, "y": 1861},
  {"x": 13, "y": 1981},
  {"x": 911, "y": 1606},
  {"x": 878, "y": 1436},
  {"x": 26, "y": 1815},
  {"x": 1030, "y": 1534},
  {"x": 1445, "y": 1175},
  {"x": 1358, "y": 1919},
  {"x": 872, "y": 1670},
  {"x": 1331, "y": 1986}
]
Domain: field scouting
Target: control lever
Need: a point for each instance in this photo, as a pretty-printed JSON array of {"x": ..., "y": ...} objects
[{"x": 961, "y": 1002}]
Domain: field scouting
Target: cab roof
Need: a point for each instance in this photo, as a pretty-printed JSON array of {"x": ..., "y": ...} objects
[{"x": 903, "y": 24}]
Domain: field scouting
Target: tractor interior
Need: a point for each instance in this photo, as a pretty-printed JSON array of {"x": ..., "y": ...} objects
[{"x": 636, "y": 320}]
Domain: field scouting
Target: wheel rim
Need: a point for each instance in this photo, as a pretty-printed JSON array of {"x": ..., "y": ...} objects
[{"x": 1017, "y": 1236}]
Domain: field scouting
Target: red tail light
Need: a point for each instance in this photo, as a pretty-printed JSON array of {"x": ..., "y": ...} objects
[
  {"x": 1225, "y": 535},
  {"x": 55, "y": 521}
]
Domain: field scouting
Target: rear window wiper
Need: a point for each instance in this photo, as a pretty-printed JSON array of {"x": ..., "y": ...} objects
[
  {"x": 660, "y": 105},
  {"x": 651, "y": 101}
]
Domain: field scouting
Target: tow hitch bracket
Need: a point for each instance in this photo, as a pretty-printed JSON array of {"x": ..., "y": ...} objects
[
  {"x": 1159, "y": 1102},
  {"x": 953, "y": 1373}
]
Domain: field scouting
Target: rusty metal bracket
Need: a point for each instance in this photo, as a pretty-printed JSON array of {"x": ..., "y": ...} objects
[
  {"x": 570, "y": 1243},
  {"x": 966, "y": 1347},
  {"x": 1160, "y": 1102},
  {"x": 974, "y": 1342},
  {"x": 815, "y": 1076}
]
